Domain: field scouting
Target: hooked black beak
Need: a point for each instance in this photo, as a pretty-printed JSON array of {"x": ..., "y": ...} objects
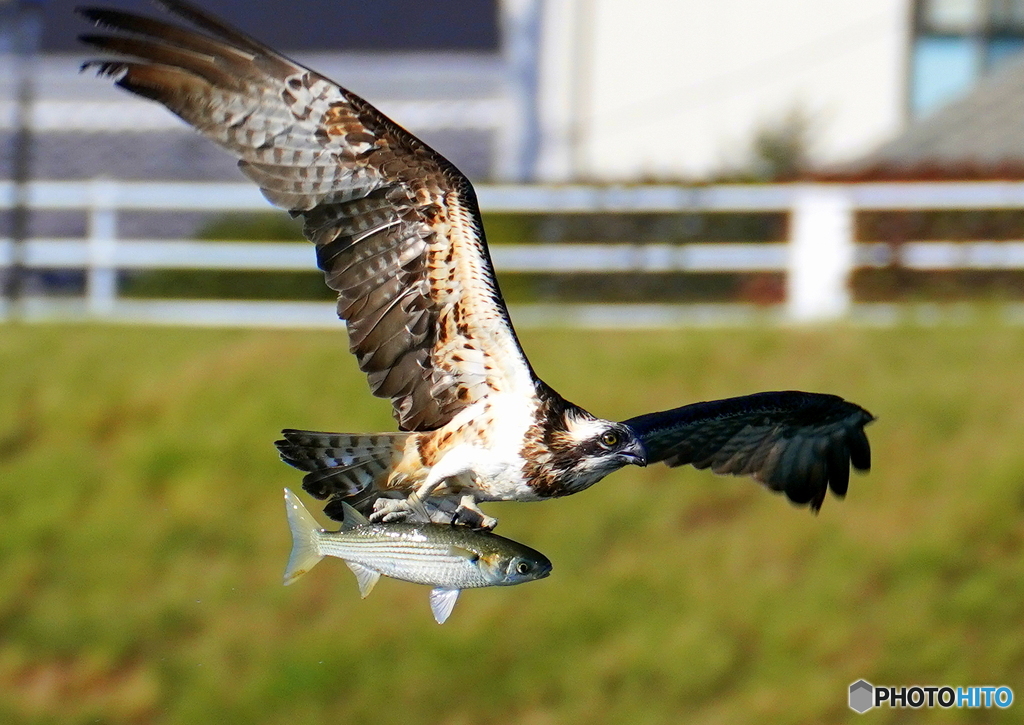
[{"x": 635, "y": 454}]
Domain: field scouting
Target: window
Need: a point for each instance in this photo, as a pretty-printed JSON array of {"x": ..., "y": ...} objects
[{"x": 958, "y": 41}]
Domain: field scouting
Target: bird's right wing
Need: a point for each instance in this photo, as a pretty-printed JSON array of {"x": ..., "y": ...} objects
[
  {"x": 396, "y": 226},
  {"x": 799, "y": 443}
]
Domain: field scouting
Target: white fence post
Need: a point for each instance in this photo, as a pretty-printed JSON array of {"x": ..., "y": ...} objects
[
  {"x": 518, "y": 136},
  {"x": 821, "y": 254},
  {"x": 101, "y": 276}
]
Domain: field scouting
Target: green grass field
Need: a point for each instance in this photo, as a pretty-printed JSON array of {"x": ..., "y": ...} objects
[{"x": 143, "y": 540}]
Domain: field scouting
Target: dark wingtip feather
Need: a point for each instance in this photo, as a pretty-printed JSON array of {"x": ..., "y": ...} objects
[
  {"x": 91, "y": 39},
  {"x": 860, "y": 448},
  {"x": 108, "y": 68},
  {"x": 92, "y": 12},
  {"x": 813, "y": 438},
  {"x": 209, "y": 22},
  {"x": 105, "y": 17},
  {"x": 89, "y": 12},
  {"x": 839, "y": 471}
]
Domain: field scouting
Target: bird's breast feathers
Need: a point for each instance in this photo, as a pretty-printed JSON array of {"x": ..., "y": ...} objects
[{"x": 482, "y": 447}]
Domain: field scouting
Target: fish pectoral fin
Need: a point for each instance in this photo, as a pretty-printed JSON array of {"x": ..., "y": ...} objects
[
  {"x": 366, "y": 577},
  {"x": 463, "y": 552},
  {"x": 442, "y": 601}
]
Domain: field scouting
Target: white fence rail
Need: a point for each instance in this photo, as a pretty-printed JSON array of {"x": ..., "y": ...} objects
[{"x": 818, "y": 259}]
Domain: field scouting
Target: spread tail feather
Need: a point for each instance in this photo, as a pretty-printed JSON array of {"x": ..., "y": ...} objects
[
  {"x": 305, "y": 538},
  {"x": 341, "y": 465}
]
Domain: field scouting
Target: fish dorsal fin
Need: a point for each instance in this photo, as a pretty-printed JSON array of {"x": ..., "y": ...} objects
[
  {"x": 442, "y": 601},
  {"x": 463, "y": 552},
  {"x": 366, "y": 577},
  {"x": 352, "y": 518}
]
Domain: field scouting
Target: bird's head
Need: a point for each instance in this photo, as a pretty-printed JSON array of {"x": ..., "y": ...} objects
[{"x": 590, "y": 448}]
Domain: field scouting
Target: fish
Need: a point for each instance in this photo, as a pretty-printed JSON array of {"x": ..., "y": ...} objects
[{"x": 447, "y": 557}]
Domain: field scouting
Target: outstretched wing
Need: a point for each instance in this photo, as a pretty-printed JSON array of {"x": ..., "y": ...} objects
[
  {"x": 396, "y": 226},
  {"x": 799, "y": 443}
]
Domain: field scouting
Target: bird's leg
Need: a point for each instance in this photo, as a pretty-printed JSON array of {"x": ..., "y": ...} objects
[
  {"x": 469, "y": 514},
  {"x": 442, "y": 510},
  {"x": 413, "y": 507},
  {"x": 416, "y": 498}
]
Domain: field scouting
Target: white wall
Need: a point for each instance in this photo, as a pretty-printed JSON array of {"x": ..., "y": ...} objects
[{"x": 668, "y": 89}]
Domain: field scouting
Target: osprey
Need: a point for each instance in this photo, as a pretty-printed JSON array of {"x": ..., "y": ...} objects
[{"x": 398, "y": 235}]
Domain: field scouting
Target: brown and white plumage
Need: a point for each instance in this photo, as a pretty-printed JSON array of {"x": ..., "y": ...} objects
[
  {"x": 398, "y": 236},
  {"x": 396, "y": 226}
]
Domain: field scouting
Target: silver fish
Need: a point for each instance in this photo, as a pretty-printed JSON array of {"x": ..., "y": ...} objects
[{"x": 448, "y": 558}]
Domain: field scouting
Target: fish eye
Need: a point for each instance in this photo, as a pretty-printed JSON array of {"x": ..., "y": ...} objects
[
  {"x": 523, "y": 568},
  {"x": 609, "y": 439}
]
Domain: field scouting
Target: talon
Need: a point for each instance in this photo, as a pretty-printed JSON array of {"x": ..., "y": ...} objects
[
  {"x": 487, "y": 523},
  {"x": 388, "y": 510},
  {"x": 388, "y": 517},
  {"x": 470, "y": 515},
  {"x": 459, "y": 518},
  {"x": 397, "y": 510}
]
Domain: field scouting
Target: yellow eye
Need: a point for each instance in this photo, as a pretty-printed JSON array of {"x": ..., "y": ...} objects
[{"x": 609, "y": 439}]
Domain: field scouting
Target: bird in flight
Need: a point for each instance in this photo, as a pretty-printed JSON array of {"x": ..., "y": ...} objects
[{"x": 398, "y": 235}]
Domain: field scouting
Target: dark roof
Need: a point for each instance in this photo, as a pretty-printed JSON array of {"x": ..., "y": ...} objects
[
  {"x": 321, "y": 25},
  {"x": 978, "y": 136}
]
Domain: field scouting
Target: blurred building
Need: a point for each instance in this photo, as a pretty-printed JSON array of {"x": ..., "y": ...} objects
[
  {"x": 955, "y": 43},
  {"x": 966, "y": 98},
  {"x": 979, "y": 135},
  {"x": 439, "y": 68},
  {"x": 650, "y": 89},
  {"x": 606, "y": 90}
]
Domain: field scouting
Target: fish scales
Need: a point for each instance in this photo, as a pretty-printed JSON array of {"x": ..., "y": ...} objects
[
  {"x": 445, "y": 557},
  {"x": 406, "y": 555}
]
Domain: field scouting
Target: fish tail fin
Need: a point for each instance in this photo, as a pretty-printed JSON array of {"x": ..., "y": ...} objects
[
  {"x": 343, "y": 465},
  {"x": 305, "y": 538}
]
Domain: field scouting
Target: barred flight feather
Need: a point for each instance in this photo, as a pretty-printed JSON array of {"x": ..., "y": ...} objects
[{"x": 366, "y": 188}]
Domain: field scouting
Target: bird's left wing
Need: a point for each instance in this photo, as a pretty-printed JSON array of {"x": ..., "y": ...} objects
[
  {"x": 396, "y": 226},
  {"x": 799, "y": 443}
]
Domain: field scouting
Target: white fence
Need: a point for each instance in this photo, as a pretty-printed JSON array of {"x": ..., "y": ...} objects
[{"x": 817, "y": 260}]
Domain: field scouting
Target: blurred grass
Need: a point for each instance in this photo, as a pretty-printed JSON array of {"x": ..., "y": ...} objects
[{"x": 143, "y": 541}]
